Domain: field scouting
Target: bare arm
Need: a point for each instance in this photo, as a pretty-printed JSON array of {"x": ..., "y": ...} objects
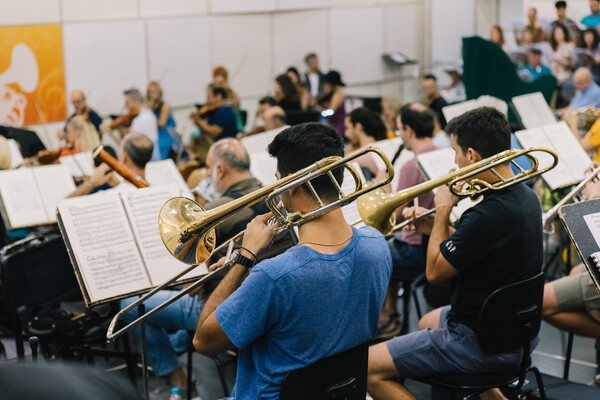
[
  {"x": 165, "y": 110},
  {"x": 212, "y": 130},
  {"x": 337, "y": 99}
]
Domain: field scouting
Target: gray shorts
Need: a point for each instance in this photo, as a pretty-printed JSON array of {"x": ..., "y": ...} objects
[
  {"x": 576, "y": 293},
  {"x": 452, "y": 348}
]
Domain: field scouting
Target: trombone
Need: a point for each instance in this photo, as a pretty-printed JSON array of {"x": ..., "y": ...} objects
[
  {"x": 549, "y": 216},
  {"x": 187, "y": 230},
  {"x": 377, "y": 208}
]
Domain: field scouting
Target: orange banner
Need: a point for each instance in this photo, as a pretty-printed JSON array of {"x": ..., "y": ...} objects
[{"x": 32, "y": 78}]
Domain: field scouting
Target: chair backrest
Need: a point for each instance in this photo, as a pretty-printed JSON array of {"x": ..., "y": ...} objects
[
  {"x": 511, "y": 315},
  {"x": 341, "y": 376}
]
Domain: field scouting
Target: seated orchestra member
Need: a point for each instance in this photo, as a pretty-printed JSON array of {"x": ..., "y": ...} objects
[
  {"x": 274, "y": 118},
  {"x": 80, "y": 136},
  {"x": 228, "y": 166},
  {"x": 433, "y": 99},
  {"x": 316, "y": 299},
  {"x": 286, "y": 93},
  {"x": 79, "y": 103},
  {"x": 164, "y": 118},
  {"x": 363, "y": 127},
  {"x": 144, "y": 121},
  {"x": 572, "y": 303},
  {"x": 498, "y": 242},
  {"x": 217, "y": 119},
  {"x": 136, "y": 151},
  {"x": 415, "y": 123}
]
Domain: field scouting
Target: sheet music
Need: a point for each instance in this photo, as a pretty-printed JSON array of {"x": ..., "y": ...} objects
[
  {"x": 350, "y": 211},
  {"x": 572, "y": 160},
  {"x": 258, "y": 143},
  {"x": 54, "y": 183},
  {"x": 103, "y": 245},
  {"x": 21, "y": 198},
  {"x": 389, "y": 148},
  {"x": 80, "y": 164},
  {"x": 533, "y": 110},
  {"x": 165, "y": 172},
  {"x": 263, "y": 167},
  {"x": 458, "y": 109},
  {"x": 142, "y": 207},
  {"x": 593, "y": 223},
  {"x": 436, "y": 163},
  {"x": 16, "y": 158}
]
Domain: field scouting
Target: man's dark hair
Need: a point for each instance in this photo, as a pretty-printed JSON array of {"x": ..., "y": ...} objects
[
  {"x": 301, "y": 145},
  {"x": 371, "y": 123},
  {"x": 535, "y": 51},
  {"x": 135, "y": 94},
  {"x": 221, "y": 152},
  {"x": 139, "y": 148},
  {"x": 309, "y": 56},
  {"x": 421, "y": 122},
  {"x": 270, "y": 100},
  {"x": 484, "y": 129},
  {"x": 287, "y": 87},
  {"x": 430, "y": 76},
  {"x": 560, "y": 4},
  {"x": 218, "y": 91}
]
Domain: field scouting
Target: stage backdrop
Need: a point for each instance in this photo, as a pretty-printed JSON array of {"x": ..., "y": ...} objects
[{"x": 32, "y": 81}]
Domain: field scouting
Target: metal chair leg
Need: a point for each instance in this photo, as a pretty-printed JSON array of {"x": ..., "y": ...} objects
[
  {"x": 539, "y": 381},
  {"x": 190, "y": 354},
  {"x": 568, "y": 356}
]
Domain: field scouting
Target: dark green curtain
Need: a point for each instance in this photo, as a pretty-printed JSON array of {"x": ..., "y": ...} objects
[{"x": 488, "y": 70}]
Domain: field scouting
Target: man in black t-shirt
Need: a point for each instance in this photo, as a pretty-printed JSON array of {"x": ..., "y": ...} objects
[{"x": 498, "y": 242}]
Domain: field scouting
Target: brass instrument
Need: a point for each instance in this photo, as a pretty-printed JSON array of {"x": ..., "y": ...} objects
[
  {"x": 377, "y": 209},
  {"x": 549, "y": 216},
  {"x": 187, "y": 230}
]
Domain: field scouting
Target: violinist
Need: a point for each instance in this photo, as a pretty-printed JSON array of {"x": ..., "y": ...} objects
[
  {"x": 80, "y": 136},
  {"x": 142, "y": 118},
  {"x": 216, "y": 118},
  {"x": 80, "y": 106}
]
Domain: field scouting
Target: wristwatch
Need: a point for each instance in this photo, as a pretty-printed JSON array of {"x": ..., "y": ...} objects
[{"x": 237, "y": 258}]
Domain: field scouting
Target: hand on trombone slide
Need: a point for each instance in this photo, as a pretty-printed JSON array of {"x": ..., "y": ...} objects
[
  {"x": 422, "y": 225},
  {"x": 259, "y": 233}
]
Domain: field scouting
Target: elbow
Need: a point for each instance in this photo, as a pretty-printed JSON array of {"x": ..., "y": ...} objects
[
  {"x": 202, "y": 346},
  {"x": 433, "y": 277}
]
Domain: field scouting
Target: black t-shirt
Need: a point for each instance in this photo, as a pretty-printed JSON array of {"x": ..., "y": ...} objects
[
  {"x": 498, "y": 242},
  {"x": 437, "y": 105}
]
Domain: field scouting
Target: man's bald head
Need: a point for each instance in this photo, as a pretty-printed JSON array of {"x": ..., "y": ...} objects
[
  {"x": 78, "y": 100},
  {"x": 582, "y": 79},
  {"x": 138, "y": 149},
  {"x": 232, "y": 153},
  {"x": 274, "y": 117}
]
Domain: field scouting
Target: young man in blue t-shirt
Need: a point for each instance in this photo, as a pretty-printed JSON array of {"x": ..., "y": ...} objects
[
  {"x": 317, "y": 299},
  {"x": 498, "y": 242},
  {"x": 217, "y": 120}
]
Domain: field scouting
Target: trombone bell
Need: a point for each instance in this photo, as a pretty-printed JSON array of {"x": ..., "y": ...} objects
[{"x": 176, "y": 218}]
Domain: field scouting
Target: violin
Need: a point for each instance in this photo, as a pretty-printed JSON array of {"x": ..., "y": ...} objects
[
  {"x": 47, "y": 157},
  {"x": 123, "y": 120},
  {"x": 187, "y": 168}
]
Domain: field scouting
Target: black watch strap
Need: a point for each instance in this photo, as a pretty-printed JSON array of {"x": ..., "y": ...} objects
[{"x": 242, "y": 260}]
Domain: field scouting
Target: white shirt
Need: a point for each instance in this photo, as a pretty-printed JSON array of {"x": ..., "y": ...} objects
[
  {"x": 145, "y": 123},
  {"x": 314, "y": 84}
]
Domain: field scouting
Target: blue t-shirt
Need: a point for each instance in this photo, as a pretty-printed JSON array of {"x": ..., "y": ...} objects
[
  {"x": 225, "y": 118},
  {"x": 539, "y": 71},
  {"x": 586, "y": 98},
  {"x": 301, "y": 306},
  {"x": 591, "y": 21}
]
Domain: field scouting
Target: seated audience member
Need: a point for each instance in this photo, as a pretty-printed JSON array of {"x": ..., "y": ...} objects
[
  {"x": 333, "y": 101},
  {"x": 433, "y": 99},
  {"x": 274, "y": 118},
  {"x": 587, "y": 92},
  {"x": 562, "y": 63},
  {"x": 363, "y": 127},
  {"x": 389, "y": 111},
  {"x": 135, "y": 153},
  {"x": 164, "y": 118},
  {"x": 144, "y": 122},
  {"x": 497, "y": 36},
  {"x": 408, "y": 248},
  {"x": 498, "y": 242},
  {"x": 562, "y": 19},
  {"x": 588, "y": 52},
  {"x": 534, "y": 67},
  {"x": 217, "y": 119},
  {"x": 272, "y": 311},
  {"x": 534, "y": 25},
  {"x": 286, "y": 93},
  {"x": 592, "y": 20},
  {"x": 80, "y": 136},
  {"x": 228, "y": 169}
]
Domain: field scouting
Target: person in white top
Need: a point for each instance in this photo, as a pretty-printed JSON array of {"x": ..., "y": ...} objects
[{"x": 144, "y": 121}]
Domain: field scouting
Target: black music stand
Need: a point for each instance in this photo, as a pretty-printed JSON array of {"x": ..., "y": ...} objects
[{"x": 572, "y": 218}]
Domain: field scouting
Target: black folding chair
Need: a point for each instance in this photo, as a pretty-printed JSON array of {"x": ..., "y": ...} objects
[
  {"x": 510, "y": 318},
  {"x": 341, "y": 376}
]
